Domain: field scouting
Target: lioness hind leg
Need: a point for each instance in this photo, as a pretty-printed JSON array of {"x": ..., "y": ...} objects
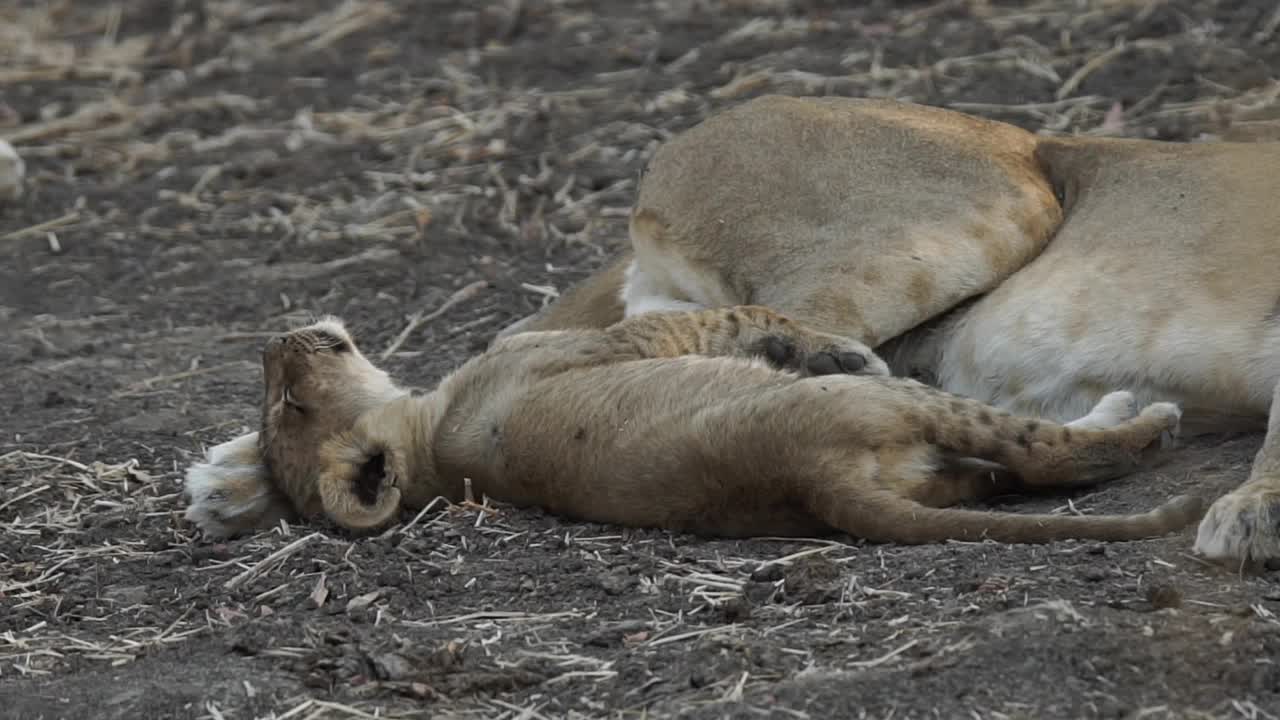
[
  {"x": 1244, "y": 524},
  {"x": 231, "y": 491}
]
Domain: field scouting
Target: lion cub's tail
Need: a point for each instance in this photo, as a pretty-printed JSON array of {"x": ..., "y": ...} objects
[{"x": 892, "y": 518}]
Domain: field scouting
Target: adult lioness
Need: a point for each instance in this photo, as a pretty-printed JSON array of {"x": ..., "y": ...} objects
[
  {"x": 1071, "y": 266},
  {"x": 629, "y": 425}
]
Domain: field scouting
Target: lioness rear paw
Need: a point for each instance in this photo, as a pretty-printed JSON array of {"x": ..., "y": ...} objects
[
  {"x": 230, "y": 492},
  {"x": 1113, "y": 409},
  {"x": 1170, "y": 416},
  {"x": 1242, "y": 527}
]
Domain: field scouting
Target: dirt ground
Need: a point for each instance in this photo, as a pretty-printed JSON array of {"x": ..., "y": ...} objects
[{"x": 202, "y": 174}]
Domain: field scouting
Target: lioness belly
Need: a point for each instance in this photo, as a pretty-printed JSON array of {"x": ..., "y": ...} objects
[
  {"x": 1164, "y": 280},
  {"x": 1036, "y": 361},
  {"x": 1067, "y": 330}
]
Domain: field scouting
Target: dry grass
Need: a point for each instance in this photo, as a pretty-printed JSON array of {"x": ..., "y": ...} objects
[
  {"x": 199, "y": 182},
  {"x": 112, "y": 131},
  {"x": 46, "y": 508}
]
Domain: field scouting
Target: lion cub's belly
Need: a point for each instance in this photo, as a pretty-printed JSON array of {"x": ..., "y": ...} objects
[{"x": 645, "y": 443}]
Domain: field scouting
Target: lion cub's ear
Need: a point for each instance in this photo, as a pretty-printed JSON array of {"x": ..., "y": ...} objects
[{"x": 359, "y": 481}]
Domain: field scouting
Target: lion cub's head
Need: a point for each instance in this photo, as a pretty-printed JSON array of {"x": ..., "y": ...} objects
[{"x": 318, "y": 386}]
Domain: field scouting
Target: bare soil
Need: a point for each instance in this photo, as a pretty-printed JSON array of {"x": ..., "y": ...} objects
[{"x": 202, "y": 174}]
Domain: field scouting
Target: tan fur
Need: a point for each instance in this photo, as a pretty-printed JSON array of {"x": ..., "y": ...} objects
[
  {"x": 1156, "y": 272},
  {"x": 893, "y": 195},
  {"x": 594, "y": 302},
  {"x": 681, "y": 421},
  {"x": 231, "y": 491}
]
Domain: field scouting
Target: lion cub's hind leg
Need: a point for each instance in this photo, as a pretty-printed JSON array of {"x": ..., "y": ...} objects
[
  {"x": 1101, "y": 447},
  {"x": 231, "y": 491},
  {"x": 866, "y": 491},
  {"x": 965, "y": 479},
  {"x": 1243, "y": 526}
]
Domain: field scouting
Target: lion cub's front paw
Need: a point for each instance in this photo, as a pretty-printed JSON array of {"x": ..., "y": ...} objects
[
  {"x": 360, "y": 481},
  {"x": 231, "y": 492},
  {"x": 1243, "y": 526},
  {"x": 827, "y": 355}
]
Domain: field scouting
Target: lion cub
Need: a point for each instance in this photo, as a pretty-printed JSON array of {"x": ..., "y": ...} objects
[{"x": 730, "y": 422}]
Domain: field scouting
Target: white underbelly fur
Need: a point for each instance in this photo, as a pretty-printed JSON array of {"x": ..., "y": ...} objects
[
  {"x": 1221, "y": 369},
  {"x": 642, "y": 292}
]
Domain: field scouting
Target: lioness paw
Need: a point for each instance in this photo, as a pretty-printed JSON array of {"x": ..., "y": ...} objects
[
  {"x": 1170, "y": 416},
  {"x": 231, "y": 492},
  {"x": 1243, "y": 526},
  {"x": 1112, "y": 410}
]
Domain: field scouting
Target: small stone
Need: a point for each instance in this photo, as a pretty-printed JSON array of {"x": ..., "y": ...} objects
[
  {"x": 392, "y": 666},
  {"x": 736, "y": 609},
  {"x": 1163, "y": 595},
  {"x": 616, "y": 583},
  {"x": 757, "y": 593},
  {"x": 1094, "y": 575},
  {"x": 12, "y": 173}
]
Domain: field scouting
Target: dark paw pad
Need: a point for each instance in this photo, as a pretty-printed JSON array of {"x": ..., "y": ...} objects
[
  {"x": 836, "y": 363},
  {"x": 781, "y": 352}
]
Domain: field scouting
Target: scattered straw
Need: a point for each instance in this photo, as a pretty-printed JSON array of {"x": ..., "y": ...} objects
[
  {"x": 270, "y": 561},
  {"x": 243, "y": 200},
  {"x": 876, "y": 662},
  {"x": 418, "y": 319},
  {"x": 43, "y": 227}
]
